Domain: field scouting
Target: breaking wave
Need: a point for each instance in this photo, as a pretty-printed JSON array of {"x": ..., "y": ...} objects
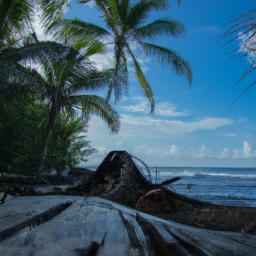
[{"x": 190, "y": 173}]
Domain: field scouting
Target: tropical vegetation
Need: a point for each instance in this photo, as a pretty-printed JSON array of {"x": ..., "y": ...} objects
[{"x": 47, "y": 88}]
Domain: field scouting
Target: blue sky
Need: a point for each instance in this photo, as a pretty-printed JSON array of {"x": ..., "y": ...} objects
[{"x": 192, "y": 126}]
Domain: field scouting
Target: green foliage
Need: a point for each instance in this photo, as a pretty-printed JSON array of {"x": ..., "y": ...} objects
[
  {"x": 68, "y": 145},
  {"x": 43, "y": 85},
  {"x": 14, "y": 18},
  {"x": 22, "y": 125},
  {"x": 18, "y": 134}
]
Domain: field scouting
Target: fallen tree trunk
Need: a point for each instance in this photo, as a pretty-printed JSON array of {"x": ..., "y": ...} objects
[{"x": 95, "y": 226}]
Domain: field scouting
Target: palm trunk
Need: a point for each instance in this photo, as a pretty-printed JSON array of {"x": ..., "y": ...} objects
[{"x": 50, "y": 127}]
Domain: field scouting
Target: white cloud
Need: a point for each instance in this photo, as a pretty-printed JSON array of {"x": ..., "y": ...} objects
[
  {"x": 173, "y": 127},
  {"x": 230, "y": 135},
  {"x": 148, "y": 137},
  {"x": 174, "y": 151},
  {"x": 247, "y": 150},
  {"x": 141, "y": 106},
  {"x": 192, "y": 153},
  {"x": 204, "y": 152},
  {"x": 225, "y": 153},
  {"x": 150, "y": 140},
  {"x": 103, "y": 60},
  {"x": 165, "y": 109},
  {"x": 106, "y": 59},
  {"x": 168, "y": 109}
]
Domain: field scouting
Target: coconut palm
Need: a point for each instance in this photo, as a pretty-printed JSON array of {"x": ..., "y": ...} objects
[
  {"x": 64, "y": 90},
  {"x": 127, "y": 31}
]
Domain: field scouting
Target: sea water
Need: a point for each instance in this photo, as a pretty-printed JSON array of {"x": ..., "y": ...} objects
[{"x": 228, "y": 186}]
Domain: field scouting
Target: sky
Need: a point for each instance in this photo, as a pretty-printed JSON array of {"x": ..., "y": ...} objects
[{"x": 192, "y": 126}]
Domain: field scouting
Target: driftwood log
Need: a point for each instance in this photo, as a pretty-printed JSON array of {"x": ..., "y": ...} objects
[{"x": 98, "y": 227}]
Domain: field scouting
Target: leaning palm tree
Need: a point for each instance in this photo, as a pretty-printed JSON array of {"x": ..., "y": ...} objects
[
  {"x": 127, "y": 32},
  {"x": 64, "y": 89}
]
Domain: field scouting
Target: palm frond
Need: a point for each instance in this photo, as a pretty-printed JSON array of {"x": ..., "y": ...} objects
[
  {"x": 143, "y": 82},
  {"x": 158, "y": 4},
  {"x": 248, "y": 88},
  {"x": 160, "y": 27},
  {"x": 14, "y": 16},
  {"x": 37, "y": 52},
  {"x": 77, "y": 29},
  {"x": 114, "y": 8},
  {"x": 93, "y": 80},
  {"x": 246, "y": 73},
  {"x": 84, "y": 1},
  {"x": 137, "y": 14},
  {"x": 16, "y": 76},
  {"x": 123, "y": 11},
  {"x": 53, "y": 13},
  {"x": 119, "y": 79},
  {"x": 243, "y": 29},
  {"x": 95, "y": 105},
  {"x": 164, "y": 55},
  {"x": 88, "y": 47}
]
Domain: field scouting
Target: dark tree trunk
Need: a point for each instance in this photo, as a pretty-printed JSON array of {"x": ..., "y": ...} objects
[{"x": 50, "y": 127}]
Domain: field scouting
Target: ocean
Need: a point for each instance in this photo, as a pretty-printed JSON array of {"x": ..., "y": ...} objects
[{"x": 227, "y": 186}]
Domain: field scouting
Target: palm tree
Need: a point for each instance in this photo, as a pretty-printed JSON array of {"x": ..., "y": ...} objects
[
  {"x": 64, "y": 86},
  {"x": 63, "y": 70},
  {"x": 125, "y": 27}
]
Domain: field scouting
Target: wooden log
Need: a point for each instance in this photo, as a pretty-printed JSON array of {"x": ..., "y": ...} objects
[
  {"x": 95, "y": 226},
  {"x": 34, "y": 221}
]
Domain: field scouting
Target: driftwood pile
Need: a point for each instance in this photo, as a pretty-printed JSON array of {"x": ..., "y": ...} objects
[{"x": 93, "y": 226}]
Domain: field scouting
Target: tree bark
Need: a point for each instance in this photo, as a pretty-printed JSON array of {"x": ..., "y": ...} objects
[{"x": 50, "y": 127}]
